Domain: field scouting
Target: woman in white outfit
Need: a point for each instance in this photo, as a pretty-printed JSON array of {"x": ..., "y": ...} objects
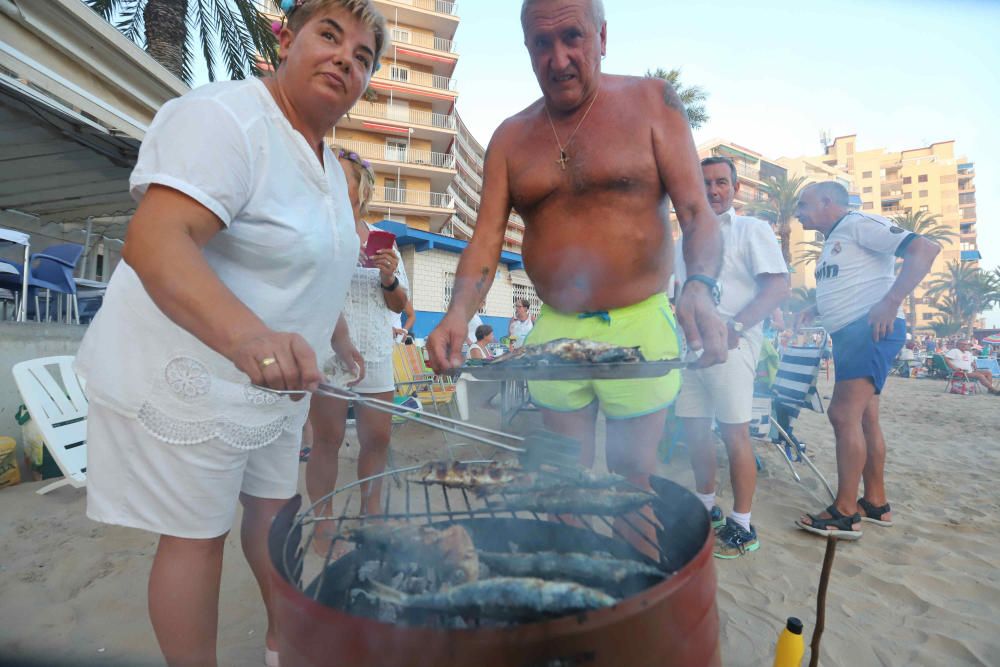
[
  {"x": 243, "y": 226},
  {"x": 376, "y": 298}
]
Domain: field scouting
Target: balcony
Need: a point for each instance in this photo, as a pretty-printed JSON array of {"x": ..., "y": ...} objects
[
  {"x": 383, "y": 111},
  {"x": 431, "y": 42},
  {"x": 414, "y": 78},
  {"x": 400, "y": 154},
  {"x": 747, "y": 171},
  {"x": 971, "y": 256},
  {"x": 893, "y": 211},
  {"x": 413, "y": 198},
  {"x": 436, "y": 6},
  {"x": 968, "y": 214}
]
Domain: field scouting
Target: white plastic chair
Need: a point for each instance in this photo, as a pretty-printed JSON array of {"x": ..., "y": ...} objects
[{"x": 55, "y": 400}]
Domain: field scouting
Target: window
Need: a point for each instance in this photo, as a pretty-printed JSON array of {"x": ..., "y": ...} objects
[
  {"x": 907, "y": 195},
  {"x": 400, "y": 35},
  {"x": 449, "y": 287},
  {"x": 922, "y": 178},
  {"x": 395, "y": 190},
  {"x": 398, "y": 73},
  {"x": 922, "y": 193},
  {"x": 924, "y": 208},
  {"x": 522, "y": 291},
  {"x": 866, "y": 190},
  {"x": 927, "y": 316},
  {"x": 907, "y": 180},
  {"x": 868, "y": 206},
  {"x": 866, "y": 174},
  {"x": 395, "y": 150}
]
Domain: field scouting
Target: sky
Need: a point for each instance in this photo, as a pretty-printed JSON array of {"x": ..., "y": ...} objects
[{"x": 898, "y": 74}]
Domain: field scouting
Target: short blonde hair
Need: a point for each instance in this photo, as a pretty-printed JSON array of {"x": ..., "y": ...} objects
[
  {"x": 363, "y": 10},
  {"x": 363, "y": 172}
]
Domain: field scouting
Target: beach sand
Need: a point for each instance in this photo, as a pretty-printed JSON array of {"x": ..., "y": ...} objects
[{"x": 925, "y": 592}]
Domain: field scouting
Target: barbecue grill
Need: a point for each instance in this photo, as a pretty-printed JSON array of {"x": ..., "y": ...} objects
[{"x": 663, "y": 621}]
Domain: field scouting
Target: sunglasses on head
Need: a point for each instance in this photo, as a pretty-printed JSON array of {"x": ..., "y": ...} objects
[{"x": 351, "y": 156}]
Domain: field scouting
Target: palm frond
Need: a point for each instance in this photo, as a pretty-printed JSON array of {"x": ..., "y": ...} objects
[
  {"x": 207, "y": 31},
  {"x": 106, "y": 8},
  {"x": 692, "y": 97}
]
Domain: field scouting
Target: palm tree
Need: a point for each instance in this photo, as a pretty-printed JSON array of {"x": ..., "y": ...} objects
[
  {"x": 811, "y": 250},
  {"x": 170, "y": 30},
  {"x": 779, "y": 207},
  {"x": 963, "y": 292},
  {"x": 692, "y": 97},
  {"x": 802, "y": 298},
  {"x": 945, "y": 326},
  {"x": 927, "y": 225}
]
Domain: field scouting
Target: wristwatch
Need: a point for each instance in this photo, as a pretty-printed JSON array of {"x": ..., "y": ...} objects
[
  {"x": 712, "y": 283},
  {"x": 392, "y": 287},
  {"x": 738, "y": 327}
]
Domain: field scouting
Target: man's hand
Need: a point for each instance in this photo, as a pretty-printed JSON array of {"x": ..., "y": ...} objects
[
  {"x": 444, "y": 345},
  {"x": 805, "y": 318},
  {"x": 703, "y": 327},
  {"x": 733, "y": 337},
  {"x": 882, "y": 317},
  {"x": 277, "y": 360}
]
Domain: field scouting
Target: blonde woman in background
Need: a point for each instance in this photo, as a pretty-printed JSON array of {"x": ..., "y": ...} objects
[{"x": 376, "y": 297}]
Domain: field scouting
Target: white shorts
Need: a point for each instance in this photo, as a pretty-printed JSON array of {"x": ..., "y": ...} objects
[
  {"x": 378, "y": 378},
  {"x": 723, "y": 392},
  {"x": 189, "y": 491}
]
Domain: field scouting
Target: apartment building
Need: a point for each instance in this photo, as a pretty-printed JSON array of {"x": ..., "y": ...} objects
[{"x": 929, "y": 178}]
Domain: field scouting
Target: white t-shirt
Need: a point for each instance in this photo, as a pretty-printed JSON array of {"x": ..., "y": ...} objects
[
  {"x": 520, "y": 330},
  {"x": 750, "y": 249},
  {"x": 287, "y": 251},
  {"x": 961, "y": 360},
  {"x": 856, "y": 268}
]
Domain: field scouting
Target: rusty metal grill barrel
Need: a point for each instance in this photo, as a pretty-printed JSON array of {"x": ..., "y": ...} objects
[{"x": 671, "y": 622}]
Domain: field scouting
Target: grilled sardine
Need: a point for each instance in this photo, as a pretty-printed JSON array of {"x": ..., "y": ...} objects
[
  {"x": 449, "y": 551},
  {"x": 577, "y": 501},
  {"x": 456, "y": 474},
  {"x": 570, "y": 350},
  {"x": 588, "y": 569},
  {"x": 503, "y": 598}
]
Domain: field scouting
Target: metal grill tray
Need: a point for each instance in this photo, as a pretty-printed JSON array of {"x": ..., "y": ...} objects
[{"x": 573, "y": 371}]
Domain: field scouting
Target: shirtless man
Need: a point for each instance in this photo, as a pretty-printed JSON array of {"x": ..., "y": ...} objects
[{"x": 590, "y": 167}]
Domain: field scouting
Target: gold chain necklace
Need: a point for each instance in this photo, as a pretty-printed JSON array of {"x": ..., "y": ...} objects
[{"x": 563, "y": 157}]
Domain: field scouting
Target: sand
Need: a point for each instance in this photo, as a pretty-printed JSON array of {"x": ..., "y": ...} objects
[{"x": 925, "y": 592}]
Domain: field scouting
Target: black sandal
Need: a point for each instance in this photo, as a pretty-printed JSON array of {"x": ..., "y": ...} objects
[
  {"x": 840, "y": 525},
  {"x": 875, "y": 513}
]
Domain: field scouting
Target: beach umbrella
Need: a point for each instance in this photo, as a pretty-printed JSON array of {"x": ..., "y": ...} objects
[{"x": 992, "y": 339}]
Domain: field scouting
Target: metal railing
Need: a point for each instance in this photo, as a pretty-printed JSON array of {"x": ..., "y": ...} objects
[
  {"x": 468, "y": 170},
  {"x": 385, "y": 195},
  {"x": 396, "y": 153},
  {"x": 400, "y": 36},
  {"x": 414, "y": 77},
  {"x": 749, "y": 172},
  {"x": 411, "y": 116},
  {"x": 439, "y": 6}
]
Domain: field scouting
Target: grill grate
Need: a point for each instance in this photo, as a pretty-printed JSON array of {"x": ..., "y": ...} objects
[{"x": 430, "y": 504}]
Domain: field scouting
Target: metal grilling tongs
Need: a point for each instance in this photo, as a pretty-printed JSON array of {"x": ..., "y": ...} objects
[{"x": 539, "y": 447}]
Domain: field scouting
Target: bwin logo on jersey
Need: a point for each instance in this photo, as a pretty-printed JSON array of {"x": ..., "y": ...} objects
[{"x": 824, "y": 271}]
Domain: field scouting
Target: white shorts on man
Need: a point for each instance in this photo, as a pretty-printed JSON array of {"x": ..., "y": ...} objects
[{"x": 723, "y": 392}]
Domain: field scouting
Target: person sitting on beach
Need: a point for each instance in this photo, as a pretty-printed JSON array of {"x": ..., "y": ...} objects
[
  {"x": 960, "y": 358},
  {"x": 484, "y": 338},
  {"x": 243, "y": 226},
  {"x": 859, "y": 294},
  {"x": 755, "y": 280},
  {"x": 594, "y": 167}
]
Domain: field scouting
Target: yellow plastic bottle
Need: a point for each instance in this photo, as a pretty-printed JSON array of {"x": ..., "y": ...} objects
[{"x": 791, "y": 647}]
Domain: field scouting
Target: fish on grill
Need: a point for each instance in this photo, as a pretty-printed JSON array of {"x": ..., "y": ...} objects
[
  {"x": 576, "y": 501},
  {"x": 571, "y": 350},
  {"x": 595, "y": 570},
  {"x": 449, "y": 551},
  {"x": 502, "y": 598},
  {"x": 458, "y": 474},
  {"x": 537, "y": 482}
]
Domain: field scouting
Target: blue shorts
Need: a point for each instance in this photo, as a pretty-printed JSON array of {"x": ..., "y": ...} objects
[{"x": 856, "y": 355}]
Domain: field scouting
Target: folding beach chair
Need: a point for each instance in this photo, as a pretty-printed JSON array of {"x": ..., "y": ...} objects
[
  {"x": 55, "y": 400},
  {"x": 776, "y": 408},
  {"x": 991, "y": 365}
]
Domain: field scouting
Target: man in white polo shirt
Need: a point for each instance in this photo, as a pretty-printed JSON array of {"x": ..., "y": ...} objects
[
  {"x": 754, "y": 281},
  {"x": 859, "y": 295},
  {"x": 959, "y": 358}
]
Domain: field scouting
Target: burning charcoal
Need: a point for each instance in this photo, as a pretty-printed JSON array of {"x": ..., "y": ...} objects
[{"x": 369, "y": 570}]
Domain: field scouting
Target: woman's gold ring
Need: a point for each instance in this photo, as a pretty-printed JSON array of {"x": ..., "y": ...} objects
[{"x": 264, "y": 363}]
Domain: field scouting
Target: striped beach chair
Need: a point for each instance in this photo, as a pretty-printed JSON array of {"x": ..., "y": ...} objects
[{"x": 777, "y": 407}]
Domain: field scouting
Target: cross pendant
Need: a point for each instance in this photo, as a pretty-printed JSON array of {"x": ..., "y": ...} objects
[{"x": 563, "y": 159}]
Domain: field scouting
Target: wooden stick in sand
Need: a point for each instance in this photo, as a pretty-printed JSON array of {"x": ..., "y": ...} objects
[{"x": 824, "y": 579}]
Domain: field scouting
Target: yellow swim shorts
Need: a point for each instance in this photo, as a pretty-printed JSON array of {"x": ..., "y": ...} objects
[{"x": 649, "y": 324}]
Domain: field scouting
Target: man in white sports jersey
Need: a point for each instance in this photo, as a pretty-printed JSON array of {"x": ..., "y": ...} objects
[
  {"x": 859, "y": 295},
  {"x": 754, "y": 280}
]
